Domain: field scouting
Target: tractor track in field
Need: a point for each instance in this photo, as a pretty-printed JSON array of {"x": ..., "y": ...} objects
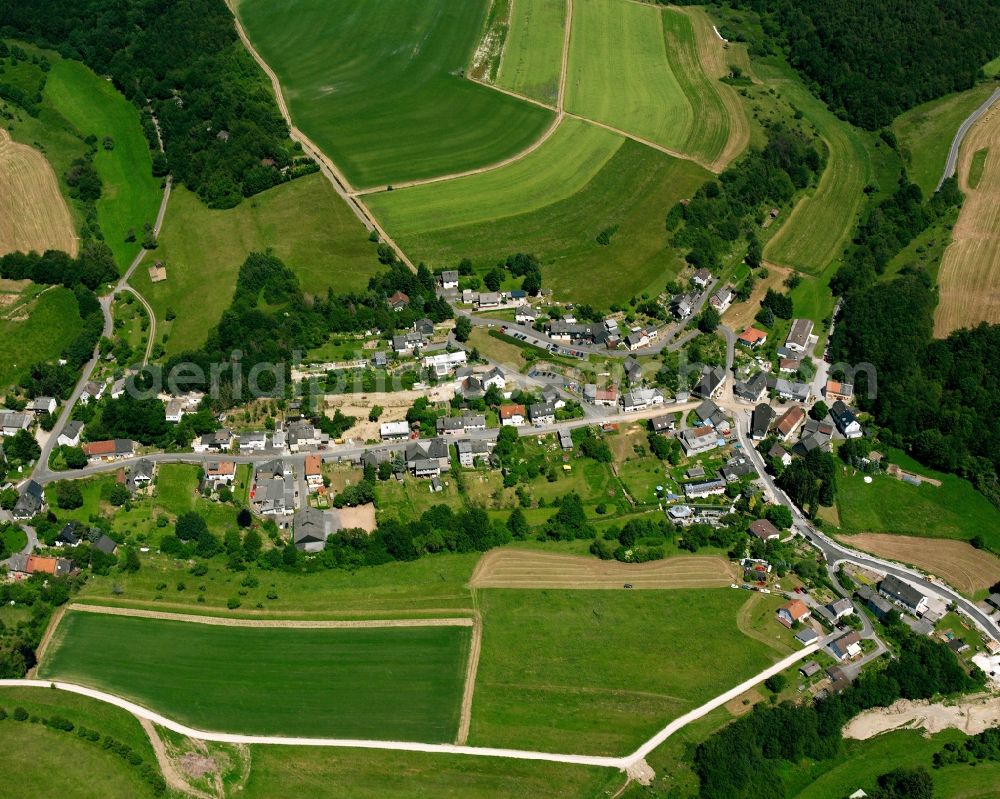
[{"x": 301, "y": 624}]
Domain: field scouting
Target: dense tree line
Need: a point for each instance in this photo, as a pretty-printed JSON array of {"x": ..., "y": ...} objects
[
  {"x": 810, "y": 481},
  {"x": 223, "y": 135},
  {"x": 870, "y": 61},
  {"x": 729, "y": 208},
  {"x": 745, "y": 760}
]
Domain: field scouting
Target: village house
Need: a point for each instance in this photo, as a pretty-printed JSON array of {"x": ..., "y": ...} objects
[
  {"x": 877, "y": 604},
  {"x": 394, "y": 431},
  {"x": 699, "y": 439},
  {"x": 721, "y": 299},
  {"x": 219, "y": 473},
  {"x": 806, "y": 636},
  {"x": 525, "y": 315},
  {"x": 799, "y": 335},
  {"x": 424, "y": 327},
  {"x": 760, "y": 421},
  {"x": 512, "y": 415},
  {"x": 710, "y": 414},
  {"x": 175, "y": 409},
  {"x": 752, "y": 338},
  {"x": 139, "y": 475},
  {"x": 662, "y": 424},
  {"x": 252, "y": 442},
  {"x": 313, "y": 472},
  {"x": 460, "y": 425},
  {"x": 701, "y": 278},
  {"x": 736, "y": 468},
  {"x": 444, "y": 363},
  {"x": 399, "y": 301},
  {"x": 789, "y": 422},
  {"x": 704, "y": 489},
  {"x": 21, "y": 566},
  {"x": 102, "y": 542},
  {"x": 845, "y": 420},
  {"x": 30, "y": 501},
  {"x": 428, "y": 458},
  {"x": 606, "y": 397},
  {"x": 835, "y": 390},
  {"x": 638, "y": 399},
  {"x": 542, "y": 413},
  {"x": 488, "y": 299},
  {"x": 311, "y": 528},
  {"x": 406, "y": 343},
  {"x": 815, "y": 435},
  {"x": 793, "y": 611},
  {"x": 42, "y": 405},
  {"x": 789, "y": 365},
  {"x": 752, "y": 390},
  {"x": 12, "y": 421},
  {"x": 633, "y": 370},
  {"x": 847, "y": 646},
  {"x": 449, "y": 279},
  {"x": 565, "y": 440},
  {"x": 764, "y": 530},
  {"x": 70, "y": 435},
  {"x": 683, "y": 305},
  {"x": 473, "y": 451},
  {"x": 790, "y": 390},
  {"x": 92, "y": 391},
  {"x": 809, "y": 668},
  {"x": 636, "y": 341},
  {"x": 219, "y": 441},
  {"x": 273, "y": 491},
  {"x": 903, "y": 594},
  {"x": 109, "y": 450},
  {"x": 712, "y": 381},
  {"x": 840, "y": 608},
  {"x": 303, "y": 436},
  {"x": 780, "y": 453}
]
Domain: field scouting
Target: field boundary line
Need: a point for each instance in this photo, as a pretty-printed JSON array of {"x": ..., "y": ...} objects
[
  {"x": 471, "y": 670},
  {"x": 329, "y": 169},
  {"x": 300, "y": 624},
  {"x": 48, "y": 635}
]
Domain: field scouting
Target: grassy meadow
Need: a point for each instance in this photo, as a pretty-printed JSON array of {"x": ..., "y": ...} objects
[
  {"x": 131, "y": 195},
  {"x": 887, "y": 505},
  {"x": 37, "y": 331},
  {"x": 822, "y": 221},
  {"x": 303, "y": 222},
  {"x": 601, "y": 671},
  {"x": 532, "y": 56},
  {"x": 925, "y": 133},
  {"x": 977, "y": 166},
  {"x": 633, "y": 190},
  {"x": 379, "y": 85},
  {"x": 388, "y": 683}
]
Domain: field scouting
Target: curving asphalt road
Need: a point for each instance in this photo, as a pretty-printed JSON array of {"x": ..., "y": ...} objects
[{"x": 956, "y": 144}]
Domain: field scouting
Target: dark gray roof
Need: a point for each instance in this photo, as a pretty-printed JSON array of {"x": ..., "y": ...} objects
[
  {"x": 900, "y": 591},
  {"x": 99, "y": 540},
  {"x": 760, "y": 421}
]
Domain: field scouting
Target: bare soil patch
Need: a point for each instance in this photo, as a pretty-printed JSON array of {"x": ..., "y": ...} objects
[
  {"x": 33, "y": 214},
  {"x": 969, "y": 279},
  {"x": 514, "y": 568},
  {"x": 972, "y": 716},
  {"x": 739, "y": 316},
  {"x": 394, "y": 406},
  {"x": 958, "y": 563},
  {"x": 362, "y": 517}
]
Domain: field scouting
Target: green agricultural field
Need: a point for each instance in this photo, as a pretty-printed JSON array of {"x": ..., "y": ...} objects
[
  {"x": 388, "y": 683},
  {"x": 35, "y": 331},
  {"x": 635, "y": 67},
  {"x": 532, "y": 56},
  {"x": 888, "y": 505},
  {"x": 925, "y": 133},
  {"x": 601, "y": 671},
  {"x": 861, "y": 762},
  {"x": 558, "y": 169},
  {"x": 633, "y": 190},
  {"x": 55, "y": 763},
  {"x": 977, "y": 166},
  {"x": 131, "y": 195},
  {"x": 354, "y": 774},
  {"x": 821, "y": 223},
  {"x": 430, "y": 586},
  {"x": 379, "y": 85},
  {"x": 304, "y": 222}
]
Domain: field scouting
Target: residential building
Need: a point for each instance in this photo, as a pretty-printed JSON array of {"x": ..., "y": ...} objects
[
  {"x": 736, "y": 468},
  {"x": 542, "y": 413},
  {"x": 252, "y": 442},
  {"x": 70, "y": 435},
  {"x": 875, "y": 602},
  {"x": 809, "y": 668},
  {"x": 424, "y": 327},
  {"x": 799, "y": 335},
  {"x": 760, "y": 421},
  {"x": 219, "y": 441},
  {"x": 459, "y": 425},
  {"x": 903, "y": 594},
  {"x": 11, "y": 422},
  {"x": 109, "y": 450},
  {"x": 752, "y": 390},
  {"x": 444, "y": 363},
  {"x": 662, "y": 424},
  {"x": 807, "y": 636},
  {"x": 789, "y": 365},
  {"x": 565, "y": 439},
  {"x": 303, "y": 436},
  {"x": 633, "y": 370},
  {"x": 219, "y": 473},
  {"x": 683, "y": 305},
  {"x": 311, "y": 528},
  {"x": 752, "y": 337},
  {"x": 790, "y": 421},
  {"x": 380, "y": 360},
  {"x": 91, "y": 391},
  {"x": 994, "y": 601},
  {"x": 840, "y": 608},
  {"x": 102, "y": 542},
  {"x": 118, "y": 388},
  {"x": 313, "y": 472},
  {"x": 699, "y": 439},
  {"x": 428, "y": 458},
  {"x": 140, "y": 475},
  {"x": 793, "y": 611},
  {"x": 796, "y": 391},
  {"x": 488, "y": 299},
  {"x": 782, "y": 454},
  {"x": 273, "y": 491},
  {"x": 30, "y": 501},
  {"x": 512, "y": 415},
  {"x": 636, "y": 341},
  {"x": 398, "y": 301},
  {"x": 639, "y": 399},
  {"x": 70, "y": 535},
  {"x": 712, "y": 381},
  {"x": 764, "y": 530},
  {"x": 721, "y": 299},
  {"x": 472, "y": 451},
  {"x": 701, "y": 278},
  {"x": 394, "y": 431},
  {"x": 607, "y": 397},
  {"x": 845, "y": 420},
  {"x": 449, "y": 279},
  {"x": 26, "y": 565},
  {"x": 525, "y": 315},
  {"x": 495, "y": 378},
  {"x": 175, "y": 409},
  {"x": 847, "y": 646},
  {"x": 42, "y": 405},
  {"x": 836, "y": 390},
  {"x": 704, "y": 489},
  {"x": 553, "y": 397},
  {"x": 406, "y": 343}
]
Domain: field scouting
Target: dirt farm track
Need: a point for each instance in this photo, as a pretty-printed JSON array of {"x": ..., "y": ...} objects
[
  {"x": 958, "y": 563},
  {"x": 512, "y": 568},
  {"x": 33, "y": 214}
]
